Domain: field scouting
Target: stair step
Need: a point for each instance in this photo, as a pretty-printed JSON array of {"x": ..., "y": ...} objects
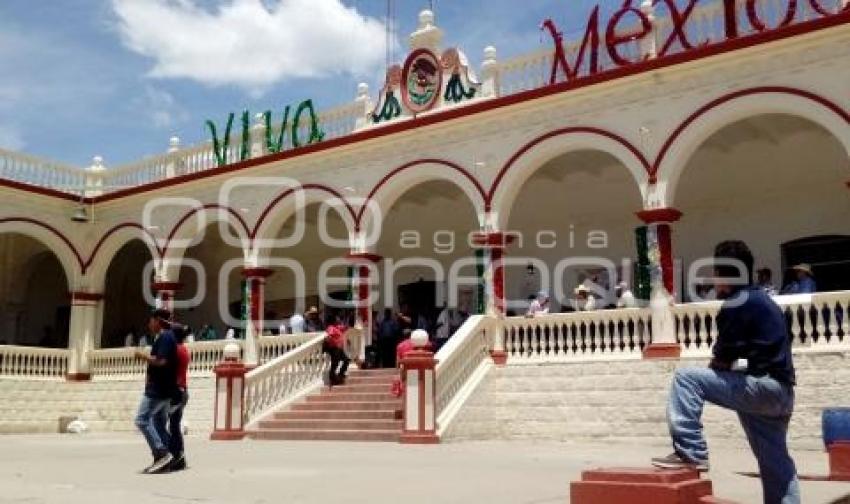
[
  {"x": 335, "y": 396},
  {"x": 382, "y": 381},
  {"x": 333, "y": 424},
  {"x": 374, "y": 372},
  {"x": 367, "y": 388},
  {"x": 326, "y": 435},
  {"x": 388, "y": 414},
  {"x": 347, "y": 406}
]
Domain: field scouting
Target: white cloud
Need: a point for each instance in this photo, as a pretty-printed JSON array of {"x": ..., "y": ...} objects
[
  {"x": 10, "y": 138},
  {"x": 248, "y": 44},
  {"x": 160, "y": 108}
]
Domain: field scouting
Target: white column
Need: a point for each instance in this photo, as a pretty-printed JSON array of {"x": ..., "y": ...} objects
[
  {"x": 364, "y": 106},
  {"x": 258, "y": 136},
  {"x": 172, "y": 167},
  {"x": 84, "y": 324},
  {"x": 649, "y": 44}
]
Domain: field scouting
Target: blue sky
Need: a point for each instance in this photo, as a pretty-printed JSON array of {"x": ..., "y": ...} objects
[{"x": 117, "y": 78}]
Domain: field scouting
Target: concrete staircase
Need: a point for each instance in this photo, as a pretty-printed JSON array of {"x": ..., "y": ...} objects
[{"x": 361, "y": 410}]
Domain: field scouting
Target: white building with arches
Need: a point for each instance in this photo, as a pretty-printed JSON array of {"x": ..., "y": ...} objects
[{"x": 744, "y": 137}]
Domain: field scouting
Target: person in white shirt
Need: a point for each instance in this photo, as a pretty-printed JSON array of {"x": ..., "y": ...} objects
[
  {"x": 584, "y": 299},
  {"x": 625, "y": 298},
  {"x": 296, "y": 323},
  {"x": 230, "y": 334},
  {"x": 540, "y": 305}
]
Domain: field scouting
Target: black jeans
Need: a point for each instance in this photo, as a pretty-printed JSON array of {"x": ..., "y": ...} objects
[
  {"x": 386, "y": 352},
  {"x": 175, "y": 416},
  {"x": 339, "y": 363}
]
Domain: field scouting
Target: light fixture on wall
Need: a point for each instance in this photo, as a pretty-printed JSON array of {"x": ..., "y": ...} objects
[{"x": 81, "y": 213}]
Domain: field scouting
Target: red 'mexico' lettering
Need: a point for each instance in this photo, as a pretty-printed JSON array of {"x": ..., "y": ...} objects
[
  {"x": 591, "y": 39},
  {"x": 758, "y": 24},
  {"x": 680, "y": 21},
  {"x": 612, "y": 39}
]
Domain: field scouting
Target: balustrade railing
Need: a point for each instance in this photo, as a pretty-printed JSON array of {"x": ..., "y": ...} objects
[
  {"x": 578, "y": 336},
  {"x": 33, "y": 362},
  {"x": 284, "y": 377},
  {"x": 815, "y": 322},
  {"x": 458, "y": 360},
  {"x": 706, "y": 24}
]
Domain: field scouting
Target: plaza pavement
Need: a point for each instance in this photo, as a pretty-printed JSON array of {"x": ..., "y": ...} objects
[{"x": 97, "y": 468}]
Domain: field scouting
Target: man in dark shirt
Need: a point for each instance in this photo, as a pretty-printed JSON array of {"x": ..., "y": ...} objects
[
  {"x": 160, "y": 388},
  {"x": 750, "y": 327}
]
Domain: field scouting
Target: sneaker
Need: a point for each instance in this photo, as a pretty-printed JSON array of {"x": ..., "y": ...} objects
[
  {"x": 160, "y": 463},
  {"x": 178, "y": 463},
  {"x": 675, "y": 461}
]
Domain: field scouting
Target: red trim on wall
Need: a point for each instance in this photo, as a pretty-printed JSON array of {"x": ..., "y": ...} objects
[
  {"x": 494, "y": 240},
  {"x": 84, "y": 296},
  {"x": 443, "y": 162},
  {"x": 45, "y": 191},
  {"x": 257, "y": 272},
  {"x": 364, "y": 256},
  {"x": 563, "y": 131},
  {"x": 50, "y": 228},
  {"x": 659, "y": 215},
  {"x": 732, "y": 96},
  {"x": 166, "y": 286}
]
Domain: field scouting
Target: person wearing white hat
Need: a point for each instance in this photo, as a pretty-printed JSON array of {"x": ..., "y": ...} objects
[
  {"x": 584, "y": 299},
  {"x": 540, "y": 305},
  {"x": 804, "y": 283},
  {"x": 625, "y": 298}
]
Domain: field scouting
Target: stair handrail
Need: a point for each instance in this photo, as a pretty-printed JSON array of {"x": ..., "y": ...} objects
[
  {"x": 289, "y": 376},
  {"x": 465, "y": 357}
]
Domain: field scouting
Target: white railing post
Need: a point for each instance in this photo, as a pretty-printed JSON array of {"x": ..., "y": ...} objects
[
  {"x": 649, "y": 44},
  {"x": 94, "y": 178},
  {"x": 258, "y": 136},
  {"x": 419, "y": 378},
  {"x": 171, "y": 168},
  {"x": 256, "y": 279},
  {"x": 363, "y": 105},
  {"x": 490, "y": 73},
  {"x": 229, "y": 397}
]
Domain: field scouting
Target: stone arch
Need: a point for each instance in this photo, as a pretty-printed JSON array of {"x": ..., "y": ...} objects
[
  {"x": 537, "y": 153},
  {"x": 407, "y": 176},
  {"x": 104, "y": 252},
  {"x": 55, "y": 241},
  {"x": 191, "y": 229},
  {"x": 291, "y": 202},
  {"x": 729, "y": 109}
]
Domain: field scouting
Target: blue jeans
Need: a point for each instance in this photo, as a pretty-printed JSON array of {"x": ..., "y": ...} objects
[
  {"x": 151, "y": 420},
  {"x": 764, "y": 407},
  {"x": 175, "y": 416}
]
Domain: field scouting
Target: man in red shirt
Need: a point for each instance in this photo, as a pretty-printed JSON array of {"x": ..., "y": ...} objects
[
  {"x": 178, "y": 403},
  {"x": 334, "y": 346}
]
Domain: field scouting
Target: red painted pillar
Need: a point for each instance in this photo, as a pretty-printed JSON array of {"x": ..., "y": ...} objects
[
  {"x": 165, "y": 293},
  {"x": 363, "y": 263},
  {"x": 660, "y": 220},
  {"x": 256, "y": 278},
  {"x": 494, "y": 243}
]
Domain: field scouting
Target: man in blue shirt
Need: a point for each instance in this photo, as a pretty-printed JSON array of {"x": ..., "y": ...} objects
[
  {"x": 160, "y": 388},
  {"x": 750, "y": 327}
]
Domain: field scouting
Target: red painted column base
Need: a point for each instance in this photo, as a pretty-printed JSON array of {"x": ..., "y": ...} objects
[
  {"x": 78, "y": 377},
  {"x": 418, "y": 438},
  {"x": 662, "y": 351},
  {"x": 500, "y": 357},
  {"x": 227, "y": 436},
  {"x": 839, "y": 461},
  {"x": 640, "y": 486}
]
